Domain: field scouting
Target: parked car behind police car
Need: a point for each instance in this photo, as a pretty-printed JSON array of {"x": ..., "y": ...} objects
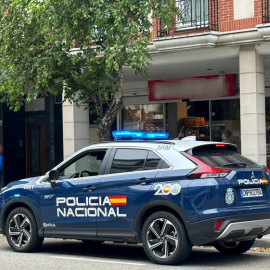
[{"x": 168, "y": 195}]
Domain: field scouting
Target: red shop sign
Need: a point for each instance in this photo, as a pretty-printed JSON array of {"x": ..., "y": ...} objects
[{"x": 192, "y": 88}]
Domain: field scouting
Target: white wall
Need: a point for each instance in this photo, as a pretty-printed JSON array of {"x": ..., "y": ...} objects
[{"x": 243, "y": 9}]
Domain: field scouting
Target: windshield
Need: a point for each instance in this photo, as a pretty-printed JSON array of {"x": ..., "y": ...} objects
[{"x": 223, "y": 157}]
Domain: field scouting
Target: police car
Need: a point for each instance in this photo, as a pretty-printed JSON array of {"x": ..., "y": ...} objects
[{"x": 168, "y": 195}]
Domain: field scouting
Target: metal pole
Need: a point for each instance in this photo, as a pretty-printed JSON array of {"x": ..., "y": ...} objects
[{"x": 210, "y": 119}]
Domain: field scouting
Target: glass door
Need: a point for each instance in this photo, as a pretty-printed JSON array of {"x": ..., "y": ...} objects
[{"x": 36, "y": 154}]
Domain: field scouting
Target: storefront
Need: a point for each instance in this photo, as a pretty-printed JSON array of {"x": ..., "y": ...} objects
[
  {"x": 174, "y": 106},
  {"x": 204, "y": 119}
]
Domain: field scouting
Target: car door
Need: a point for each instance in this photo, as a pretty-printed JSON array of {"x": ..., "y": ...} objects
[
  {"x": 124, "y": 190},
  {"x": 72, "y": 204}
]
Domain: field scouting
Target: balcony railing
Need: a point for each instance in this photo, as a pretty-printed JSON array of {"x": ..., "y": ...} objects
[
  {"x": 266, "y": 11},
  {"x": 197, "y": 14}
]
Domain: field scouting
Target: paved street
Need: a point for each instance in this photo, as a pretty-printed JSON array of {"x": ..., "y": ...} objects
[{"x": 69, "y": 254}]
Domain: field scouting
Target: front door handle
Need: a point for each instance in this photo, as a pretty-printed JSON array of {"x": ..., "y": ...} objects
[
  {"x": 143, "y": 181},
  {"x": 89, "y": 188}
]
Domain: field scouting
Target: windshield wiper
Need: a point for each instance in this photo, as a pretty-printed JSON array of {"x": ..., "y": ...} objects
[{"x": 235, "y": 164}]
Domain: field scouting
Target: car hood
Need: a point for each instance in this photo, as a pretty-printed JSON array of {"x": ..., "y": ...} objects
[{"x": 31, "y": 180}]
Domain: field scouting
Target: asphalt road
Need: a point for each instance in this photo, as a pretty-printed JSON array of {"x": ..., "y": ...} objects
[{"x": 73, "y": 255}]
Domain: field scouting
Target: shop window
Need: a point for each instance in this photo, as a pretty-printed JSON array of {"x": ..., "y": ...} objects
[
  {"x": 225, "y": 109},
  {"x": 206, "y": 125},
  {"x": 147, "y": 117}
]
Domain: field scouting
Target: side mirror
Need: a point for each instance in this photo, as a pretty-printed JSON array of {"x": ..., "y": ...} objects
[{"x": 52, "y": 178}]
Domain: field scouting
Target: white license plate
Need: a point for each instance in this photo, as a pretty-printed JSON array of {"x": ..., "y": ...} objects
[{"x": 251, "y": 192}]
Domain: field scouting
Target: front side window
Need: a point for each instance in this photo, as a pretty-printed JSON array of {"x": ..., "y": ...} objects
[
  {"x": 129, "y": 160},
  {"x": 86, "y": 165},
  {"x": 195, "y": 13}
]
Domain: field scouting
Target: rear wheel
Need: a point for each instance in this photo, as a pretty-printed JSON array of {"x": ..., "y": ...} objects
[
  {"x": 237, "y": 247},
  {"x": 164, "y": 239},
  {"x": 21, "y": 231}
]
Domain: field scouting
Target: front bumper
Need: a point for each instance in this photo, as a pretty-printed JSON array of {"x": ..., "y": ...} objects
[{"x": 234, "y": 228}]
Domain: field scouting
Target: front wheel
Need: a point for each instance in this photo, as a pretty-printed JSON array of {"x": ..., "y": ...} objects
[
  {"x": 21, "y": 231},
  {"x": 164, "y": 239},
  {"x": 232, "y": 248}
]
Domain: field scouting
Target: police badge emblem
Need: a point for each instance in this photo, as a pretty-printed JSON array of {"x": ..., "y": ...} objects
[{"x": 229, "y": 196}]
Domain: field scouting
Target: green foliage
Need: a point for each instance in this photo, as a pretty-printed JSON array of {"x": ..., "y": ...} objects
[{"x": 81, "y": 46}]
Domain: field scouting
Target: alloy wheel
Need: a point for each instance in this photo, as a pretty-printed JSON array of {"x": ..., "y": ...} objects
[
  {"x": 20, "y": 230},
  {"x": 162, "y": 238}
]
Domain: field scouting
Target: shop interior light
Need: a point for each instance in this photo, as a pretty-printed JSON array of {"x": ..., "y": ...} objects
[{"x": 139, "y": 135}]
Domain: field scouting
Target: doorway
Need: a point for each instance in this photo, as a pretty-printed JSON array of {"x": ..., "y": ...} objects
[{"x": 35, "y": 148}]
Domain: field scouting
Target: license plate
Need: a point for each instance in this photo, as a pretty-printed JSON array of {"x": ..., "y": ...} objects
[{"x": 251, "y": 192}]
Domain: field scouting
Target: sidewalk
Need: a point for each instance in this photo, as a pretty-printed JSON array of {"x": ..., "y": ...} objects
[{"x": 264, "y": 242}]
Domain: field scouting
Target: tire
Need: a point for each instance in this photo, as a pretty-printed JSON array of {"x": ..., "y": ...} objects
[
  {"x": 234, "y": 248},
  {"x": 21, "y": 231},
  {"x": 164, "y": 239}
]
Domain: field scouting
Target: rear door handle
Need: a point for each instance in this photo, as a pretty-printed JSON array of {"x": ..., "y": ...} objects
[
  {"x": 143, "y": 181},
  {"x": 89, "y": 188}
]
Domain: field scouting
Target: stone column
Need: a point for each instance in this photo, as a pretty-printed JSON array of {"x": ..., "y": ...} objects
[
  {"x": 75, "y": 128},
  {"x": 252, "y": 104}
]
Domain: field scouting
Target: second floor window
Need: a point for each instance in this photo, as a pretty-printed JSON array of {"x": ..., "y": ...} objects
[
  {"x": 195, "y": 13},
  {"x": 266, "y": 11}
]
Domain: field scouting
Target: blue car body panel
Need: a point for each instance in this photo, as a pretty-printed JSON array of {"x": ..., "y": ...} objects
[{"x": 114, "y": 206}]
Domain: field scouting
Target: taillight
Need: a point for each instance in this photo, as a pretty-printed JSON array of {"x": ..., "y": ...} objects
[
  {"x": 204, "y": 170},
  {"x": 220, "y": 145},
  {"x": 218, "y": 225},
  {"x": 266, "y": 170}
]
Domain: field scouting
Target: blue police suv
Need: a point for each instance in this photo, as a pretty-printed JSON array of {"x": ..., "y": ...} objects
[{"x": 168, "y": 195}]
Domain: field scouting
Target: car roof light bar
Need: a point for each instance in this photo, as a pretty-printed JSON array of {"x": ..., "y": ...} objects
[{"x": 139, "y": 135}]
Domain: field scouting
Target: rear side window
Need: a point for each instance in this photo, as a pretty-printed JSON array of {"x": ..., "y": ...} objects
[
  {"x": 129, "y": 160},
  {"x": 152, "y": 161},
  {"x": 222, "y": 156}
]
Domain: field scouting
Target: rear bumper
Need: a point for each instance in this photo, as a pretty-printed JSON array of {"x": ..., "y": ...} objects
[
  {"x": 234, "y": 228},
  {"x": 246, "y": 228}
]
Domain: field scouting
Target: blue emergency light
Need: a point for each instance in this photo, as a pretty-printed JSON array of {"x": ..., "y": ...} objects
[{"x": 139, "y": 135}]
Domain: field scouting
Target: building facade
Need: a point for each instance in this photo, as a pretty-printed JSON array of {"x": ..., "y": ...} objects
[
  {"x": 32, "y": 138},
  {"x": 210, "y": 72}
]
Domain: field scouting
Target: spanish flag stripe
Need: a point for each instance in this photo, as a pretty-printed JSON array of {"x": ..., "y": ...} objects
[
  {"x": 265, "y": 181},
  {"x": 118, "y": 200}
]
